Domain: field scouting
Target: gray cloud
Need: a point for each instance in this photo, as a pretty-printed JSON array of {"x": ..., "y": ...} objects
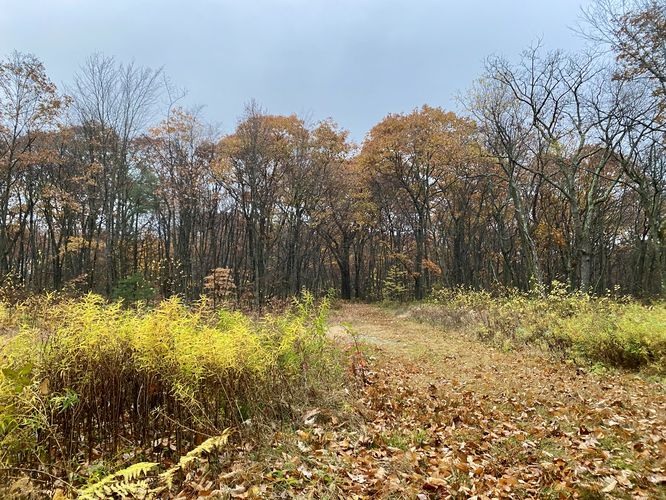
[{"x": 352, "y": 60}]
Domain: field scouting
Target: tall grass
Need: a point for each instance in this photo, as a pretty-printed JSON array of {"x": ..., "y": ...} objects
[
  {"x": 615, "y": 332},
  {"x": 83, "y": 379}
]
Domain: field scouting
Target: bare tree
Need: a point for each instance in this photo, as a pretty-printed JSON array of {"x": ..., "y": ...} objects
[
  {"x": 113, "y": 102},
  {"x": 565, "y": 96},
  {"x": 509, "y": 138},
  {"x": 635, "y": 30}
]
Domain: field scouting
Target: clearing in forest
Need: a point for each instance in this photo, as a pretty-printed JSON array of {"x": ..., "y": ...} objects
[
  {"x": 461, "y": 418},
  {"x": 424, "y": 412},
  {"x": 439, "y": 414}
]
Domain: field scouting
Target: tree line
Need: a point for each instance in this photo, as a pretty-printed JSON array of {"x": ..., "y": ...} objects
[{"x": 555, "y": 172}]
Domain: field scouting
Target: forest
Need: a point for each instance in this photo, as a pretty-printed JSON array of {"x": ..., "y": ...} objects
[
  {"x": 462, "y": 304},
  {"x": 555, "y": 172}
]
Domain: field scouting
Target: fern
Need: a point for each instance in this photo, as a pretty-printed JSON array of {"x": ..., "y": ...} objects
[
  {"x": 185, "y": 462},
  {"x": 125, "y": 489},
  {"x": 112, "y": 485}
]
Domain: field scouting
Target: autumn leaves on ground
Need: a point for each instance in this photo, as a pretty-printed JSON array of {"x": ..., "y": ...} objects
[
  {"x": 447, "y": 415},
  {"x": 442, "y": 415},
  {"x": 409, "y": 401}
]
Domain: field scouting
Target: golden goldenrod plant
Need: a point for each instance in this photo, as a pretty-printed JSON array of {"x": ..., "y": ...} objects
[{"x": 83, "y": 379}]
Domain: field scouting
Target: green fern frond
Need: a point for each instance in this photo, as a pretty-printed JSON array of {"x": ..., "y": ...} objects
[
  {"x": 137, "y": 470},
  {"x": 110, "y": 485},
  {"x": 208, "y": 446}
]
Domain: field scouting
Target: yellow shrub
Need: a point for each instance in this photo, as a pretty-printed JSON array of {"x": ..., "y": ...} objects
[
  {"x": 620, "y": 333},
  {"x": 627, "y": 335},
  {"x": 84, "y": 375}
]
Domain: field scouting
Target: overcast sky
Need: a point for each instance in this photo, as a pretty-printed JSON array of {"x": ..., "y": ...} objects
[{"x": 351, "y": 60}]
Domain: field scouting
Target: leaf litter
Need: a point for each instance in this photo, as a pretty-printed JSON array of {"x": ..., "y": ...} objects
[{"x": 435, "y": 414}]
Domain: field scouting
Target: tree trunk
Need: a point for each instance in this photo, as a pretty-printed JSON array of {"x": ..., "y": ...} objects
[
  {"x": 419, "y": 278},
  {"x": 534, "y": 274}
]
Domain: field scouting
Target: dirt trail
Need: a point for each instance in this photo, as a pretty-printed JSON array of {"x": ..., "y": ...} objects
[{"x": 488, "y": 370}]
